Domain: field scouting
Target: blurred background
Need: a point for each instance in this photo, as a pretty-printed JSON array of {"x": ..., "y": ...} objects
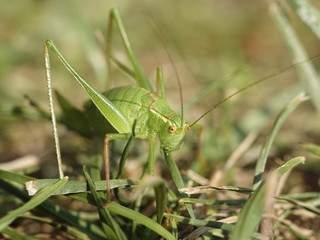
[{"x": 227, "y": 44}]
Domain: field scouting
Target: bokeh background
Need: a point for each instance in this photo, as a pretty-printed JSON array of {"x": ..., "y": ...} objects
[{"x": 231, "y": 43}]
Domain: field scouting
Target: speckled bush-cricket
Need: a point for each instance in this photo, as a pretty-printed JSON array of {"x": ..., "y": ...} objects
[
  {"x": 122, "y": 107},
  {"x": 128, "y": 109}
]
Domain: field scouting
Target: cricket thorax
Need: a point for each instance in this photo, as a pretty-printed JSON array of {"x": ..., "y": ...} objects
[{"x": 167, "y": 123}]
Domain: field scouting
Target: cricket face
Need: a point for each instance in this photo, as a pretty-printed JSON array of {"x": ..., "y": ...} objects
[{"x": 172, "y": 134}]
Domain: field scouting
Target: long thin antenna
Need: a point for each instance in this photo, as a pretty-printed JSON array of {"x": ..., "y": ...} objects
[
  {"x": 254, "y": 83},
  {"x": 174, "y": 66}
]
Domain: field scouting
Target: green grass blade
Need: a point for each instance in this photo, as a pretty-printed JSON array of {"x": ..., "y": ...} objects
[
  {"x": 161, "y": 201},
  {"x": 35, "y": 201},
  {"x": 138, "y": 217},
  {"x": 250, "y": 215},
  {"x": 207, "y": 189},
  {"x": 15, "y": 177},
  {"x": 77, "y": 186},
  {"x": 13, "y": 234},
  {"x": 206, "y": 223},
  {"x": 90, "y": 229},
  {"x": 289, "y": 165},
  {"x": 231, "y": 202},
  {"x": 109, "y": 225},
  {"x": 176, "y": 176},
  {"x": 304, "y": 205},
  {"x": 308, "y": 14},
  {"x": 312, "y": 148},
  {"x": 108, "y": 110},
  {"x": 306, "y": 71},
  {"x": 160, "y": 190},
  {"x": 262, "y": 160}
]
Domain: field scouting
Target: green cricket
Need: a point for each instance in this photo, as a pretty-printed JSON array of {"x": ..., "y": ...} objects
[
  {"x": 127, "y": 108},
  {"x": 133, "y": 111}
]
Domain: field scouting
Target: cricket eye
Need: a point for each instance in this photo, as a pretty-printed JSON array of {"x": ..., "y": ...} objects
[{"x": 172, "y": 129}]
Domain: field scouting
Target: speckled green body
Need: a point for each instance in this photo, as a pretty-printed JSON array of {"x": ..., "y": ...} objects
[{"x": 152, "y": 113}]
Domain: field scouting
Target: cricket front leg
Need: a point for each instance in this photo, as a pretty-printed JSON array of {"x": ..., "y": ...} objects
[{"x": 152, "y": 157}]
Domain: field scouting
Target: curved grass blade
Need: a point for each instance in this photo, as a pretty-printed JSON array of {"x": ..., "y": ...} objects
[
  {"x": 262, "y": 160},
  {"x": 304, "y": 205},
  {"x": 312, "y": 148},
  {"x": 109, "y": 225},
  {"x": 176, "y": 176},
  {"x": 250, "y": 215},
  {"x": 14, "y": 234},
  {"x": 306, "y": 71},
  {"x": 92, "y": 230},
  {"x": 308, "y": 14},
  {"x": 35, "y": 201},
  {"x": 138, "y": 217},
  {"x": 160, "y": 193},
  {"x": 16, "y": 177},
  {"x": 206, "y": 223},
  {"x": 289, "y": 165}
]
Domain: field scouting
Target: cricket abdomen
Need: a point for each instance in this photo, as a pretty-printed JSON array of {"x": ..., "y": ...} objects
[{"x": 131, "y": 103}]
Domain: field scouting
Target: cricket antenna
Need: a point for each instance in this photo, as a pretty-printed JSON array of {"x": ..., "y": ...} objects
[
  {"x": 254, "y": 83},
  {"x": 174, "y": 66}
]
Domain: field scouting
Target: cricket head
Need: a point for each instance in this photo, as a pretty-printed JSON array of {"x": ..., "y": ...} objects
[{"x": 172, "y": 133}]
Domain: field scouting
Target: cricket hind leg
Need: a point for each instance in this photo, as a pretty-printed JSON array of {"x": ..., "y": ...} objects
[
  {"x": 53, "y": 117},
  {"x": 139, "y": 75}
]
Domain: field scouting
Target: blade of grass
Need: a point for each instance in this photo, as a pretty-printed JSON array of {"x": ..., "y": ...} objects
[
  {"x": 230, "y": 202},
  {"x": 77, "y": 186},
  {"x": 302, "y": 195},
  {"x": 15, "y": 177},
  {"x": 206, "y": 189},
  {"x": 201, "y": 223},
  {"x": 109, "y": 225},
  {"x": 127, "y": 213},
  {"x": 13, "y": 234},
  {"x": 289, "y": 165},
  {"x": 306, "y": 71},
  {"x": 176, "y": 176},
  {"x": 312, "y": 148},
  {"x": 262, "y": 160},
  {"x": 138, "y": 217},
  {"x": 35, "y": 201},
  {"x": 307, "y": 206},
  {"x": 92, "y": 230},
  {"x": 308, "y": 14},
  {"x": 250, "y": 215}
]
